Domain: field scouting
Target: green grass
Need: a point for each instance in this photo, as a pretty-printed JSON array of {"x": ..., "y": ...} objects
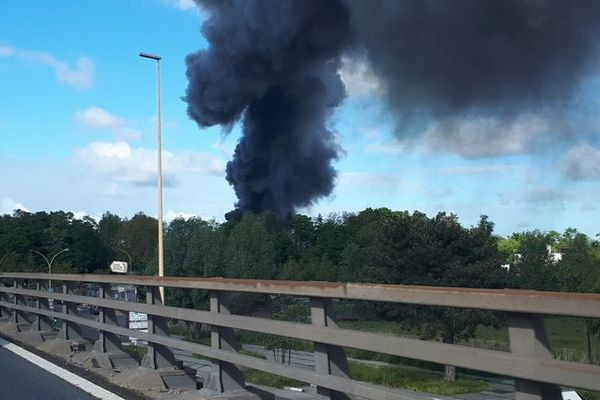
[
  {"x": 252, "y": 353},
  {"x": 180, "y": 329},
  {"x": 241, "y": 351},
  {"x": 137, "y": 352},
  {"x": 389, "y": 327},
  {"x": 567, "y": 338},
  {"x": 270, "y": 341},
  {"x": 266, "y": 379},
  {"x": 590, "y": 395},
  {"x": 398, "y": 377},
  {"x": 414, "y": 379}
]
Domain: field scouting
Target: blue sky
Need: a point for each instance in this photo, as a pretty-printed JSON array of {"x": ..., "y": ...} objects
[{"x": 77, "y": 130}]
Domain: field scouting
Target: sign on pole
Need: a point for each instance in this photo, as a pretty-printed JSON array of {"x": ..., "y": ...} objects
[
  {"x": 138, "y": 321},
  {"x": 119, "y": 267}
]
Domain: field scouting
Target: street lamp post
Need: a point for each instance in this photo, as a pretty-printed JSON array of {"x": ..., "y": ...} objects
[
  {"x": 161, "y": 267},
  {"x": 128, "y": 256},
  {"x": 129, "y": 271},
  {"x": 49, "y": 263},
  {"x": 4, "y": 256}
]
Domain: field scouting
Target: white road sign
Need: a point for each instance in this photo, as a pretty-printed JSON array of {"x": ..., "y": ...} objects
[
  {"x": 119, "y": 267},
  {"x": 138, "y": 320}
]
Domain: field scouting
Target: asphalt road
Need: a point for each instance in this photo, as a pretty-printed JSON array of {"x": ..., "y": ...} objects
[{"x": 22, "y": 380}]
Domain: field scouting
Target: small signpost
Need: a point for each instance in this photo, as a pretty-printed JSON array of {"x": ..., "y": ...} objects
[
  {"x": 119, "y": 267},
  {"x": 137, "y": 321}
]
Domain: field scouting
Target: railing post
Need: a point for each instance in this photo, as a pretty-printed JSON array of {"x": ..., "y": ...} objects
[
  {"x": 70, "y": 330},
  {"x": 5, "y": 312},
  {"x": 20, "y": 316},
  {"x": 329, "y": 359},
  {"x": 42, "y": 322},
  {"x": 527, "y": 336},
  {"x": 158, "y": 356},
  {"x": 108, "y": 342},
  {"x": 228, "y": 377}
]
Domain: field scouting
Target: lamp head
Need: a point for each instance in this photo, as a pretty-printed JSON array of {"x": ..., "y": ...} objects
[{"x": 150, "y": 56}]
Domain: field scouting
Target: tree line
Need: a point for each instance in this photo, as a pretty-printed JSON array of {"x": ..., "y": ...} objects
[{"x": 374, "y": 245}]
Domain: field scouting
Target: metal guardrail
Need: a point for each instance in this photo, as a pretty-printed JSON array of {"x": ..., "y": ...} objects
[{"x": 530, "y": 360}]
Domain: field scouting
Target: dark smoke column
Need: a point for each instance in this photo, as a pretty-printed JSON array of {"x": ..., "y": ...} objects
[{"x": 272, "y": 65}]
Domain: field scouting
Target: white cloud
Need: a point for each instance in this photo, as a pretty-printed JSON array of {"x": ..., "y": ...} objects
[
  {"x": 370, "y": 180},
  {"x": 370, "y": 133},
  {"x": 226, "y": 149},
  {"x": 80, "y": 214},
  {"x": 393, "y": 146},
  {"x": 587, "y": 207},
  {"x": 582, "y": 163},
  {"x": 185, "y": 5},
  {"x": 7, "y": 206},
  {"x": 79, "y": 76},
  {"x": 438, "y": 193},
  {"x": 171, "y": 215},
  {"x": 6, "y": 51},
  {"x": 537, "y": 195},
  {"x": 138, "y": 166},
  {"x": 488, "y": 137},
  {"x": 358, "y": 77},
  {"x": 480, "y": 170},
  {"x": 98, "y": 118}
]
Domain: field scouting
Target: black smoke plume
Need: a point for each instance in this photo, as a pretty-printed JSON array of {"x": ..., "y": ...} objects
[
  {"x": 442, "y": 58},
  {"x": 273, "y": 65}
]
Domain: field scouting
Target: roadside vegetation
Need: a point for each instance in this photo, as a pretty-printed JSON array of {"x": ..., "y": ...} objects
[
  {"x": 414, "y": 379},
  {"x": 138, "y": 352},
  {"x": 374, "y": 245}
]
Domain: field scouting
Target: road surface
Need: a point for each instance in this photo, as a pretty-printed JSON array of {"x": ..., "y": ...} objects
[{"x": 21, "y": 380}]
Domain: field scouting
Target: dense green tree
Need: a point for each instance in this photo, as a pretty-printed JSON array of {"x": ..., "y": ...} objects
[
  {"x": 49, "y": 233},
  {"x": 532, "y": 266},
  {"x": 374, "y": 245},
  {"x": 579, "y": 271},
  {"x": 250, "y": 249},
  {"x": 138, "y": 236}
]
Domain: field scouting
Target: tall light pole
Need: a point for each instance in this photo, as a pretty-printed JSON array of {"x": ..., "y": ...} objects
[
  {"x": 161, "y": 265},
  {"x": 49, "y": 263}
]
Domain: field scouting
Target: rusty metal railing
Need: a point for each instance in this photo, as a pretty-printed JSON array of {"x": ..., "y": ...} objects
[{"x": 530, "y": 362}]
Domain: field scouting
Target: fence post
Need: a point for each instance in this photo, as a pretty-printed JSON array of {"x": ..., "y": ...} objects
[
  {"x": 70, "y": 330},
  {"x": 158, "y": 356},
  {"x": 228, "y": 377},
  {"x": 108, "y": 342},
  {"x": 42, "y": 322},
  {"x": 527, "y": 336},
  {"x": 329, "y": 359},
  {"x": 20, "y": 316},
  {"x": 5, "y": 312}
]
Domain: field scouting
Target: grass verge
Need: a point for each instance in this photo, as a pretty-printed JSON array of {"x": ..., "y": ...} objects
[
  {"x": 590, "y": 395},
  {"x": 414, "y": 379},
  {"x": 266, "y": 379},
  {"x": 137, "y": 352}
]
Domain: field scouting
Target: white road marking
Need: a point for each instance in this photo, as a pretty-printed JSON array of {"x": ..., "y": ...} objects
[{"x": 62, "y": 373}]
